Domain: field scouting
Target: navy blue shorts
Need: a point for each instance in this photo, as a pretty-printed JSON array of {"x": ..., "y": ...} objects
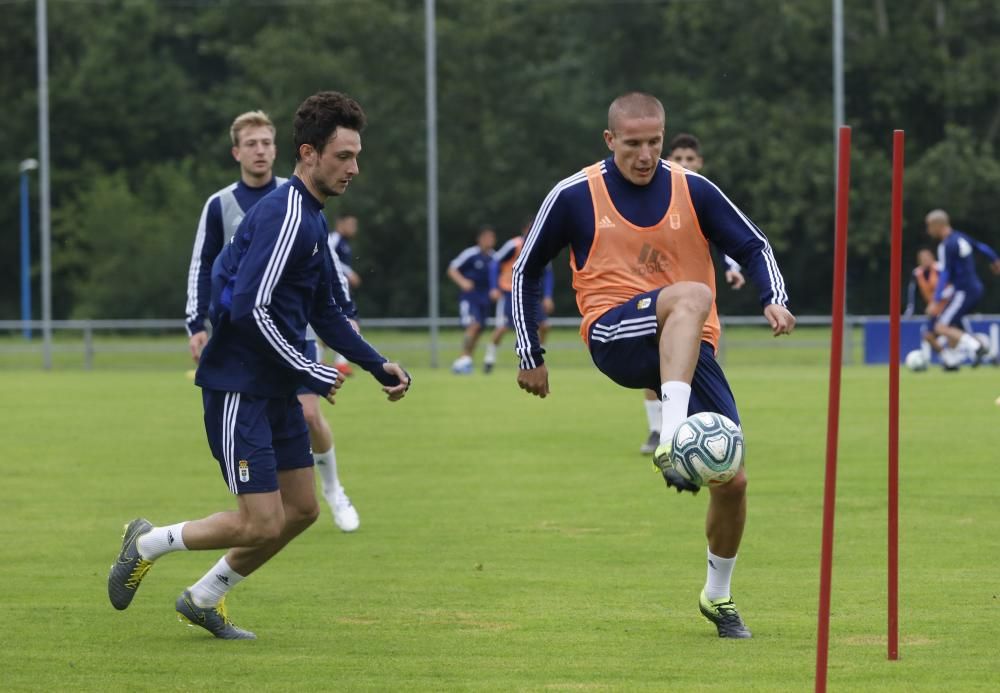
[
  {"x": 254, "y": 438},
  {"x": 505, "y": 311},
  {"x": 312, "y": 352},
  {"x": 961, "y": 304},
  {"x": 473, "y": 309},
  {"x": 624, "y": 347}
]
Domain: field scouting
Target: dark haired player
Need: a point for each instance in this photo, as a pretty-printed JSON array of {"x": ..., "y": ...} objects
[{"x": 273, "y": 279}]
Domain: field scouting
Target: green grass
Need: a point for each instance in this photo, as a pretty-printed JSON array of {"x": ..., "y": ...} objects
[{"x": 507, "y": 543}]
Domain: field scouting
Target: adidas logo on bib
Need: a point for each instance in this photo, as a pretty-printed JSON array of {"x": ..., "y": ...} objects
[{"x": 605, "y": 223}]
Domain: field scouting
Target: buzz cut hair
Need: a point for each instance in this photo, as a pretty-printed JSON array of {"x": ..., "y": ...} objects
[
  {"x": 635, "y": 104},
  {"x": 684, "y": 140},
  {"x": 319, "y": 116},
  {"x": 250, "y": 119},
  {"x": 937, "y": 215}
]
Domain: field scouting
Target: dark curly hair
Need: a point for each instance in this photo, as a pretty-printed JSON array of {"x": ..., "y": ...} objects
[{"x": 321, "y": 114}]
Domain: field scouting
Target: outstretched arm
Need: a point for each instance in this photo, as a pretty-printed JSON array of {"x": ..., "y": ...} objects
[
  {"x": 728, "y": 227},
  {"x": 549, "y": 234}
]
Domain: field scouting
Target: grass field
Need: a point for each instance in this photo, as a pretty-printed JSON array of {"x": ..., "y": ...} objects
[{"x": 507, "y": 543}]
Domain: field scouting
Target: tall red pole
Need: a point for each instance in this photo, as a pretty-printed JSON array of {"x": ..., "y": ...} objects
[
  {"x": 895, "y": 272},
  {"x": 833, "y": 405}
]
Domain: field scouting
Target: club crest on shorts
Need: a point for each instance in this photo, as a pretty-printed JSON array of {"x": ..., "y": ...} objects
[
  {"x": 244, "y": 471},
  {"x": 644, "y": 303}
]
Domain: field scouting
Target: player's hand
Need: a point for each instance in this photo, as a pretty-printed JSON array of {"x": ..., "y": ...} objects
[
  {"x": 329, "y": 396},
  {"x": 995, "y": 267},
  {"x": 494, "y": 295},
  {"x": 197, "y": 343},
  {"x": 780, "y": 319},
  {"x": 933, "y": 309},
  {"x": 396, "y": 392},
  {"x": 467, "y": 285},
  {"x": 534, "y": 380},
  {"x": 548, "y": 305},
  {"x": 735, "y": 279}
]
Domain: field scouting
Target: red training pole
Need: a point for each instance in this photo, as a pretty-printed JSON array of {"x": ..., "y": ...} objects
[
  {"x": 833, "y": 405},
  {"x": 895, "y": 272}
]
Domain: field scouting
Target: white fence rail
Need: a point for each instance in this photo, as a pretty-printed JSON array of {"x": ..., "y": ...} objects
[{"x": 12, "y": 342}]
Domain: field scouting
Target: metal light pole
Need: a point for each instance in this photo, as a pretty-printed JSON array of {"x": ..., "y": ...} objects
[
  {"x": 838, "y": 69},
  {"x": 45, "y": 197},
  {"x": 26, "y": 166},
  {"x": 430, "y": 67}
]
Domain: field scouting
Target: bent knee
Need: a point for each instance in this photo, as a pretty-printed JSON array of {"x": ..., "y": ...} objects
[
  {"x": 263, "y": 531},
  {"x": 698, "y": 296},
  {"x": 302, "y": 516},
  {"x": 693, "y": 298},
  {"x": 734, "y": 488}
]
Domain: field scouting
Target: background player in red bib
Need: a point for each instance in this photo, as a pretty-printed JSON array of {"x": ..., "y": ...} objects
[{"x": 639, "y": 229}]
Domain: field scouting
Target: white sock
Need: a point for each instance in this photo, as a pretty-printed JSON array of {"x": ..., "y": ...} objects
[
  {"x": 675, "y": 396},
  {"x": 951, "y": 358},
  {"x": 654, "y": 412},
  {"x": 969, "y": 343},
  {"x": 326, "y": 465},
  {"x": 214, "y": 584},
  {"x": 720, "y": 573},
  {"x": 161, "y": 540},
  {"x": 491, "y": 353},
  {"x": 340, "y": 361}
]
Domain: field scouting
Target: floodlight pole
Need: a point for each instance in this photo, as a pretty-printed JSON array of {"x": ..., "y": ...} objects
[
  {"x": 26, "y": 166},
  {"x": 838, "y": 69},
  {"x": 45, "y": 196},
  {"x": 430, "y": 67}
]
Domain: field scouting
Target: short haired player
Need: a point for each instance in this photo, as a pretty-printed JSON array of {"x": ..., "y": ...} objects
[
  {"x": 274, "y": 278},
  {"x": 470, "y": 270},
  {"x": 639, "y": 228},
  {"x": 958, "y": 291}
]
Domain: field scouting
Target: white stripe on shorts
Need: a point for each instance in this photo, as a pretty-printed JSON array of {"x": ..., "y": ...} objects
[
  {"x": 501, "y": 319},
  {"x": 230, "y": 408},
  {"x": 954, "y": 305}
]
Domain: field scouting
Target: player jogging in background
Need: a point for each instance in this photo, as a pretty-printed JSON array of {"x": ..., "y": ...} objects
[
  {"x": 345, "y": 228},
  {"x": 501, "y": 273},
  {"x": 957, "y": 276},
  {"x": 638, "y": 229},
  {"x": 275, "y": 278},
  {"x": 685, "y": 150},
  {"x": 470, "y": 270},
  {"x": 923, "y": 279},
  {"x": 252, "y": 135}
]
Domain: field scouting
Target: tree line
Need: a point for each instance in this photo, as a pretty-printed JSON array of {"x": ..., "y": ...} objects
[{"x": 142, "y": 94}]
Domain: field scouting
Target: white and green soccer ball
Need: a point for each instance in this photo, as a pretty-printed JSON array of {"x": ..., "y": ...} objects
[
  {"x": 708, "y": 449},
  {"x": 916, "y": 361}
]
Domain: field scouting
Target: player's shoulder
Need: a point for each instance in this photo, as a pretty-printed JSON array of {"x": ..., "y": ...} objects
[
  {"x": 574, "y": 185},
  {"x": 215, "y": 197},
  {"x": 510, "y": 246}
]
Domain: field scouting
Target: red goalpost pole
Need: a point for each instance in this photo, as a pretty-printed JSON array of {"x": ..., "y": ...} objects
[
  {"x": 833, "y": 405},
  {"x": 895, "y": 272}
]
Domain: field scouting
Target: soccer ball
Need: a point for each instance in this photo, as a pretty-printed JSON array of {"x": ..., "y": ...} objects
[
  {"x": 708, "y": 449},
  {"x": 916, "y": 361}
]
